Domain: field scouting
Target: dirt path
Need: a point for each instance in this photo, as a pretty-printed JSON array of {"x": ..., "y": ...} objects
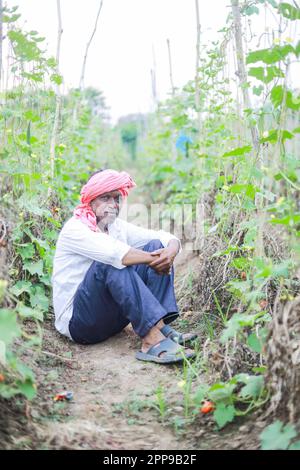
[
  {"x": 111, "y": 389},
  {"x": 113, "y": 399}
]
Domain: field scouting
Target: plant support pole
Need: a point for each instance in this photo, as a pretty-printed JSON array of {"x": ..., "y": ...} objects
[
  {"x": 1, "y": 37},
  {"x": 170, "y": 67},
  {"x": 58, "y": 100},
  {"x": 197, "y": 96},
  {"x": 81, "y": 83},
  {"x": 174, "y": 153},
  {"x": 241, "y": 67}
]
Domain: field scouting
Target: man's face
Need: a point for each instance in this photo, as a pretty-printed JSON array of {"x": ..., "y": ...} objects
[{"x": 106, "y": 207}]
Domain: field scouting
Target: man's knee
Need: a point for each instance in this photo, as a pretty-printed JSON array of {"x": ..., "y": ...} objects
[
  {"x": 103, "y": 270},
  {"x": 154, "y": 244}
]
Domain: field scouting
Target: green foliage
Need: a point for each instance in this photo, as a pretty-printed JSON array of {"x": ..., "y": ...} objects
[
  {"x": 9, "y": 328},
  {"x": 246, "y": 183},
  {"x": 289, "y": 11},
  {"x": 224, "y": 414},
  {"x": 270, "y": 56},
  {"x": 221, "y": 164},
  {"x": 238, "y": 151},
  {"x": 265, "y": 74},
  {"x": 276, "y": 436},
  {"x": 37, "y": 202}
]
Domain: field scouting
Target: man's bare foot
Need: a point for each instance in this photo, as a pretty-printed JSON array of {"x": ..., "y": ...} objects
[{"x": 152, "y": 338}]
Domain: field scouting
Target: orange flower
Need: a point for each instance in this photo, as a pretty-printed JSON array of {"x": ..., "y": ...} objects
[{"x": 2, "y": 378}]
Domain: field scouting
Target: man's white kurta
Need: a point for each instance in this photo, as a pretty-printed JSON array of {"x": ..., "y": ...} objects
[{"x": 76, "y": 249}]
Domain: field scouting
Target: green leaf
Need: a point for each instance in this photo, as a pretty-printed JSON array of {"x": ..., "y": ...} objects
[
  {"x": 292, "y": 102},
  {"x": 289, "y": 11},
  {"x": 24, "y": 370},
  {"x": 251, "y": 10},
  {"x": 221, "y": 391},
  {"x": 265, "y": 74},
  {"x": 239, "y": 320},
  {"x": 31, "y": 115},
  {"x": 276, "y": 436},
  {"x": 290, "y": 220},
  {"x": 224, "y": 414},
  {"x": 26, "y": 251},
  {"x": 295, "y": 446},
  {"x": 270, "y": 56},
  {"x": 238, "y": 151},
  {"x": 51, "y": 62},
  {"x": 10, "y": 19},
  {"x": 56, "y": 78},
  {"x": 7, "y": 391},
  {"x": 27, "y": 312},
  {"x": 200, "y": 394},
  {"x": 274, "y": 136},
  {"x": 254, "y": 343},
  {"x": 9, "y": 329},
  {"x": 27, "y": 388},
  {"x": 257, "y": 90},
  {"x": 240, "y": 263},
  {"x": 247, "y": 189},
  {"x": 34, "y": 268},
  {"x": 33, "y": 205},
  {"x": 39, "y": 299},
  {"x": 20, "y": 287},
  {"x": 24, "y": 49},
  {"x": 277, "y": 95},
  {"x": 35, "y": 77},
  {"x": 254, "y": 386}
]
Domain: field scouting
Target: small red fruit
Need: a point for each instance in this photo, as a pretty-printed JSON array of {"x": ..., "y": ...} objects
[{"x": 207, "y": 407}]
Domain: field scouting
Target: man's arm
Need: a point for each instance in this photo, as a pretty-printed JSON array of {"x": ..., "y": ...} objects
[
  {"x": 164, "y": 262},
  {"x": 160, "y": 260},
  {"x": 135, "y": 256}
]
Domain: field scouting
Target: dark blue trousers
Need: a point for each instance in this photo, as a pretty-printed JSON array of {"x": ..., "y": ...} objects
[{"x": 109, "y": 298}]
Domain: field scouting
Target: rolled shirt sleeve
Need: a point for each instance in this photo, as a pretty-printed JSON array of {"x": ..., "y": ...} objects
[
  {"x": 97, "y": 246},
  {"x": 137, "y": 236}
]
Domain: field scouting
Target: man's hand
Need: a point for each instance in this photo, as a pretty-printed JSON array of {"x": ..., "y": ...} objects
[{"x": 164, "y": 262}]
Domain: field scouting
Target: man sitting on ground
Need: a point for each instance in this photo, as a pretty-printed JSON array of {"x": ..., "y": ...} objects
[{"x": 108, "y": 273}]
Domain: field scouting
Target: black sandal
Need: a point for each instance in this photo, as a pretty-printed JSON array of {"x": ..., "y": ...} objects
[
  {"x": 172, "y": 353},
  {"x": 180, "y": 338}
]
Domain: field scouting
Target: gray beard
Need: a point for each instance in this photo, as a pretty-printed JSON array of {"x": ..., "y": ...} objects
[{"x": 102, "y": 225}]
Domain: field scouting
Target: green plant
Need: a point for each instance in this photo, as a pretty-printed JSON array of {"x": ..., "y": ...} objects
[{"x": 278, "y": 436}]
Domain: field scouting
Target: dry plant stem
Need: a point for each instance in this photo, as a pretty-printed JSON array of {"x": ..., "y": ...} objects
[
  {"x": 1, "y": 36},
  {"x": 197, "y": 95},
  {"x": 61, "y": 358},
  {"x": 241, "y": 72},
  {"x": 82, "y": 75},
  {"x": 58, "y": 101},
  {"x": 81, "y": 83},
  {"x": 283, "y": 359}
]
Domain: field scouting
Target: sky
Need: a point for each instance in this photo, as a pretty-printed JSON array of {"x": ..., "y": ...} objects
[{"x": 121, "y": 55}]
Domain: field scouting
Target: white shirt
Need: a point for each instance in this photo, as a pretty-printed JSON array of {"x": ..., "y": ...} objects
[{"x": 76, "y": 249}]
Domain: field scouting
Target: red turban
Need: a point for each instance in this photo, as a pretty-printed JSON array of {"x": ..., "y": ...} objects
[{"x": 100, "y": 183}]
